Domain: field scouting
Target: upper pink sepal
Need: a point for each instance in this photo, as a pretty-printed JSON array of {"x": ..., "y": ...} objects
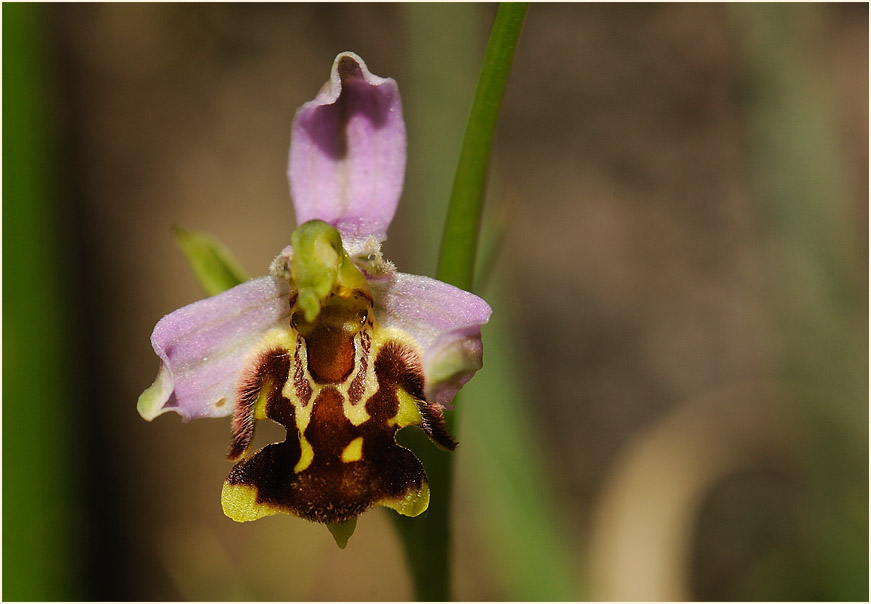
[{"x": 347, "y": 152}]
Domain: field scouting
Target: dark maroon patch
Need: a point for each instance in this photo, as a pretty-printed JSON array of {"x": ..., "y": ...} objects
[
  {"x": 401, "y": 365},
  {"x": 300, "y": 381},
  {"x": 357, "y": 387},
  {"x": 270, "y": 370},
  {"x": 434, "y": 425},
  {"x": 330, "y": 353},
  {"x": 398, "y": 364},
  {"x": 330, "y": 490}
]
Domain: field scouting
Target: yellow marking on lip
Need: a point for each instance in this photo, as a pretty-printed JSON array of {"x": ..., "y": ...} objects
[
  {"x": 413, "y": 504},
  {"x": 239, "y": 502},
  {"x": 306, "y": 455},
  {"x": 409, "y": 412},
  {"x": 353, "y": 451},
  {"x": 302, "y": 417},
  {"x": 278, "y": 337},
  {"x": 356, "y": 414},
  {"x": 262, "y": 399},
  {"x": 382, "y": 335},
  {"x": 289, "y": 391}
]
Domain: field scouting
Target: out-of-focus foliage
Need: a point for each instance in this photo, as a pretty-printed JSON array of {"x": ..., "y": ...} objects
[
  {"x": 817, "y": 254},
  {"x": 41, "y": 487}
]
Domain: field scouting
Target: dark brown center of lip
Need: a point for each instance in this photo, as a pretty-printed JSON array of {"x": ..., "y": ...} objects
[{"x": 330, "y": 341}]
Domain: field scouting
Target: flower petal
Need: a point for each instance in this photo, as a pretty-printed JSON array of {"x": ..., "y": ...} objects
[
  {"x": 347, "y": 152},
  {"x": 203, "y": 348},
  {"x": 444, "y": 320}
]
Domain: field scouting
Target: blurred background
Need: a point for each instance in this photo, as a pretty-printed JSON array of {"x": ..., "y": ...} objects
[{"x": 674, "y": 402}]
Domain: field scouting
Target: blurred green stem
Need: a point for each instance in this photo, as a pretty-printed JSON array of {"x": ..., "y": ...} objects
[
  {"x": 40, "y": 453},
  {"x": 427, "y": 539}
]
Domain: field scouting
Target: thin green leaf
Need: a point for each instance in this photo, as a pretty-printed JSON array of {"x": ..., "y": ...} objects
[
  {"x": 516, "y": 512},
  {"x": 213, "y": 265},
  {"x": 460, "y": 235}
]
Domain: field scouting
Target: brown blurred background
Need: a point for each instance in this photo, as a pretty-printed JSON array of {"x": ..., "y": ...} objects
[{"x": 678, "y": 230}]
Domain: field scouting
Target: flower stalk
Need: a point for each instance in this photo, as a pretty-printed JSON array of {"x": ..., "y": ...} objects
[
  {"x": 463, "y": 222},
  {"x": 427, "y": 539}
]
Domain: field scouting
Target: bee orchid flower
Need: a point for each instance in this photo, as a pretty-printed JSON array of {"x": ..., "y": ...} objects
[{"x": 334, "y": 344}]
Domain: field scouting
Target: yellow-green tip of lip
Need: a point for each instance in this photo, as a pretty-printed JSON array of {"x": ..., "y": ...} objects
[{"x": 413, "y": 504}]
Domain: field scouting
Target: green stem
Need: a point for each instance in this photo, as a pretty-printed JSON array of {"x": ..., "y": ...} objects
[
  {"x": 427, "y": 539},
  {"x": 41, "y": 507},
  {"x": 460, "y": 236}
]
